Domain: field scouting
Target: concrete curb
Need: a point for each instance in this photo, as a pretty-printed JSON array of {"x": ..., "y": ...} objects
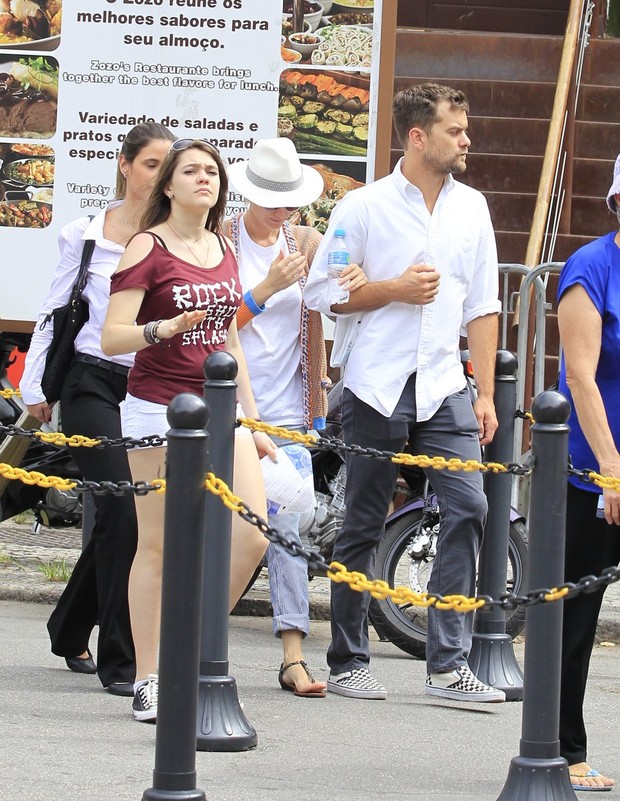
[
  {"x": 258, "y": 604},
  {"x": 21, "y": 580}
]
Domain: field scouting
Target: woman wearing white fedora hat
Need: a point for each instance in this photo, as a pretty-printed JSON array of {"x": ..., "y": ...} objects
[{"x": 285, "y": 351}]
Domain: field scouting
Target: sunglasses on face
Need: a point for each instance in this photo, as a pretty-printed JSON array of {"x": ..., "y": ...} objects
[
  {"x": 290, "y": 209},
  {"x": 183, "y": 144}
]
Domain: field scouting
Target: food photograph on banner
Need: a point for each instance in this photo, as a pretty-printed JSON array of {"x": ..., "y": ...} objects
[
  {"x": 339, "y": 178},
  {"x": 229, "y": 71},
  {"x": 28, "y": 110},
  {"x": 30, "y": 24},
  {"x": 326, "y": 102}
]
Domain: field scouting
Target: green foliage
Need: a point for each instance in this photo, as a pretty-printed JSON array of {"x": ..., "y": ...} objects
[{"x": 56, "y": 570}]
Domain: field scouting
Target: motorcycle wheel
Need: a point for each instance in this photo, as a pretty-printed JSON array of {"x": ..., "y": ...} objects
[{"x": 405, "y": 625}]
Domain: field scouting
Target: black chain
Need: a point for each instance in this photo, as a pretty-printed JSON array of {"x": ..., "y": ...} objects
[
  {"x": 338, "y": 445},
  {"x": 507, "y": 601},
  {"x": 315, "y": 560},
  {"x": 111, "y": 487},
  {"x": 582, "y": 475},
  {"x": 151, "y": 441}
]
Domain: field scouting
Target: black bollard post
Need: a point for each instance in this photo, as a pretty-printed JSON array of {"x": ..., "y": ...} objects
[
  {"x": 539, "y": 771},
  {"x": 221, "y": 723},
  {"x": 492, "y": 656},
  {"x": 174, "y": 777}
]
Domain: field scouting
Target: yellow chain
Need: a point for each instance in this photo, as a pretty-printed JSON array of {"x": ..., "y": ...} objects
[
  {"x": 32, "y": 477},
  {"x": 605, "y": 482},
  {"x": 161, "y": 483},
  {"x": 556, "y": 594},
  {"x": 436, "y": 462},
  {"x": 219, "y": 487},
  {"x": 75, "y": 441},
  {"x": 277, "y": 431},
  {"x": 10, "y": 393},
  {"x": 400, "y": 595},
  {"x": 337, "y": 572},
  {"x": 358, "y": 581}
]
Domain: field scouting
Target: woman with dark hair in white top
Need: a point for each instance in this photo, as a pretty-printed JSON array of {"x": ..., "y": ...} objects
[{"x": 91, "y": 394}]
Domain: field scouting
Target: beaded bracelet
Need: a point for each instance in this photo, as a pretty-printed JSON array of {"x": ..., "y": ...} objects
[{"x": 150, "y": 332}]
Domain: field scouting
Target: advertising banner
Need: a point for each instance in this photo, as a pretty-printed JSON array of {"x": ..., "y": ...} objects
[{"x": 75, "y": 77}]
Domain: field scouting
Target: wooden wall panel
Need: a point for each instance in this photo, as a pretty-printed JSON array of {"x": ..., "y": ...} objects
[{"x": 500, "y": 16}]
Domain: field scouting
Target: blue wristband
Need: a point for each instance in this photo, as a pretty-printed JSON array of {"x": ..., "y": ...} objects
[{"x": 251, "y": 303}]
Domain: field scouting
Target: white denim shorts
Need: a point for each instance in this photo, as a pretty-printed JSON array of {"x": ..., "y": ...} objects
[{"x": 142, "y": 418}]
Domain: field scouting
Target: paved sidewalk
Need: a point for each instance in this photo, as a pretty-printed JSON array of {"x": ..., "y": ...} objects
[
  {"x": 22, "y": 552},
  {"x": 64, "y": 739}
]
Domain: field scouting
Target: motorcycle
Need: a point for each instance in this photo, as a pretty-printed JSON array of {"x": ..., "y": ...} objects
[
  {"x": 407, "y": 550},
  {"x": 51, "y": 506}
]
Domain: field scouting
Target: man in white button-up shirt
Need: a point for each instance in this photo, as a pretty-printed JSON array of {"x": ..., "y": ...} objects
[{"x": 426, "y": 244}]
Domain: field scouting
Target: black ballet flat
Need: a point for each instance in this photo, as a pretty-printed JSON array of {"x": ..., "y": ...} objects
[
  {"x": 81, "y": 665},
  {"x": 124, "y": 688}
]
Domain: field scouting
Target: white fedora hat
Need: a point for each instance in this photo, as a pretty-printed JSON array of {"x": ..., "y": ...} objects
[
  {"x": 615, "y": 187},
  {"x": 273, "y": 176}
]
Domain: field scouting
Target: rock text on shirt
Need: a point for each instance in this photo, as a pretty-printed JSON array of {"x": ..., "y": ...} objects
[{"x": 221, "y": 299}]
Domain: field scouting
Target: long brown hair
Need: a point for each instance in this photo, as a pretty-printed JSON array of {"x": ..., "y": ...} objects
[
  {"x": 138, "y": 138},
  {"x": 158, "y": 205}
]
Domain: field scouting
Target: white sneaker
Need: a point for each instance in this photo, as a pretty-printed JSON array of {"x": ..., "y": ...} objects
[
  {"x": 462, "y": 685},
  {"x": 144, "y": 707},
  {"x": 357, "y": 683}
]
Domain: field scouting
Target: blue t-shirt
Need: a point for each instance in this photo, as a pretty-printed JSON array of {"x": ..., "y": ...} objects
[{"x": 596, "y": 267}]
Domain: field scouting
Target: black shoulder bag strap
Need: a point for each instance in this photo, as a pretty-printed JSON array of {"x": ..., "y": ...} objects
[{"x": 80, "y": 281}]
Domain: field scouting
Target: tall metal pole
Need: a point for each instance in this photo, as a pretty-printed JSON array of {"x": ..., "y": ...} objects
[
  {"x": 221, "y": 723},
  {"x": 539, "y": 771},
  {"x": 174, "y": 777},
  {"x": 492, "y": 656}
]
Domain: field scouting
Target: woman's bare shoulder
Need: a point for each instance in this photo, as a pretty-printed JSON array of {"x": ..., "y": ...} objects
[{"x": 138, "y": 247}]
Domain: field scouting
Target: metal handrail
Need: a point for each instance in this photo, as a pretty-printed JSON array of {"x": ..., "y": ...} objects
[
  {"x": 533, "y": 283},
  {"x": 506, "y": 298}
]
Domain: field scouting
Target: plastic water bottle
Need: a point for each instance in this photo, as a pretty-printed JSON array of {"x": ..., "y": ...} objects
[{"x": 337, "y": 259}]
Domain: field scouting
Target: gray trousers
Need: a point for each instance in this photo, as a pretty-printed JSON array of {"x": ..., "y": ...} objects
[{"x": 451, "y": 432}]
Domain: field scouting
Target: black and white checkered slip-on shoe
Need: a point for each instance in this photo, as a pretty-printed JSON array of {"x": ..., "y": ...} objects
[
  {"x": 144, "y": 707},
  {"x": 357, "y": 683},
  {"x": 462, "y": 685}
]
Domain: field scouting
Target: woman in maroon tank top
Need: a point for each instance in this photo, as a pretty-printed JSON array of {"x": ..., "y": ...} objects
[{"x": 173, "y": 300}]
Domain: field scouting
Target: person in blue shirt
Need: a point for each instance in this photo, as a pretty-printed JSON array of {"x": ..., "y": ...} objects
[{"x": 589, "y": 321}]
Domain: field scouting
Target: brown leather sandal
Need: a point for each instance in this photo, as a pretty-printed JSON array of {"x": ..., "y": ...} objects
[{"x": 290, "y": 686}]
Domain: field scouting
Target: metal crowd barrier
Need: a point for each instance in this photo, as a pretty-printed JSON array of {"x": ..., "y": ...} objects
[{"x": 532, "y": 289}]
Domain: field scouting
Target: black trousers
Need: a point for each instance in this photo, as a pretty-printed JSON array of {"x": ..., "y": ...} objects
[
  {"x": 97, "y": 589},
  {"x": 591, "y": 546}
]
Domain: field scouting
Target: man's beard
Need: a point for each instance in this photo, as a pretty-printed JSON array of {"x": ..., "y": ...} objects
[{"x": 459, "y": 165}]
